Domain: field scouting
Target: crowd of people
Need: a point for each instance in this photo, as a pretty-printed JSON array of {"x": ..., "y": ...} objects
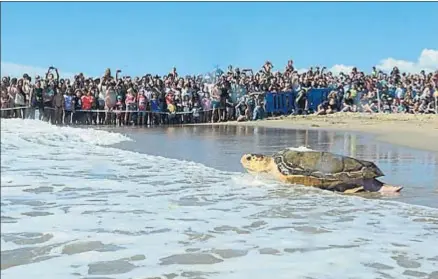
[{"x": 237, "y": 94}]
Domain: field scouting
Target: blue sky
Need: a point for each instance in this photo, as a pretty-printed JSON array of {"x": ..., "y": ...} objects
[{"x": 142, "y": 37}]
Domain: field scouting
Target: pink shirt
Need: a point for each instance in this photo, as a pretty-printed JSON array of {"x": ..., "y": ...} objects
[
  {"x": 129, "y": 99},
  {"x": 141, "y": 102},
  {"x": 206, "y": 104}
]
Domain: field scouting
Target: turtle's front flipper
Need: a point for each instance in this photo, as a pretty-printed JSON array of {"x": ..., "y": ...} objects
[{"x": 349, "y": 187}]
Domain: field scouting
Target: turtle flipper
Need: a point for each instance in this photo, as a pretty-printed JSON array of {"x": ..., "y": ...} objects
[
  {"x": 374, "y": 185},
  {"x": 390, "y": 189}
]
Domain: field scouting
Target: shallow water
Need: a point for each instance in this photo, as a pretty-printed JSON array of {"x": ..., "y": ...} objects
[
  {"x": 77, "y": 203},
  {"x": 221, "y": 147}
]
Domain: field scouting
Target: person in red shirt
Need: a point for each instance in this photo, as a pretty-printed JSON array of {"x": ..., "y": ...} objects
[{"x": 87, "y": 103}]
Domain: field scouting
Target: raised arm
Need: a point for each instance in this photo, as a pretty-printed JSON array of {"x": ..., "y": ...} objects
[
  {"x": 57, "y": 75},
  {"x": 48, "y": 72}
]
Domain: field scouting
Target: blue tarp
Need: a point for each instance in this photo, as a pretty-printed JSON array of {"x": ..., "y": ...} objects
[
  {"x": 284, "y": 102},
  {"x": 316, "y": 96},
  {"x": 280, "y": 102}
]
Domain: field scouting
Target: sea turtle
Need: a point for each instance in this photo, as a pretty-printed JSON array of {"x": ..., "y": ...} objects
[{"x": 324, "y": 170}]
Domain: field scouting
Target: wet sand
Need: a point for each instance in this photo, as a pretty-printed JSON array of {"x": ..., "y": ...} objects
[{"x": 415, "y": 131}]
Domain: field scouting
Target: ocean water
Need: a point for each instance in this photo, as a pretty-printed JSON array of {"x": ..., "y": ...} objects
[{"x": 84, "y": 203}]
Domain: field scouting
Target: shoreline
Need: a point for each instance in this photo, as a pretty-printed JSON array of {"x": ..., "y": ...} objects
[{"x": 408, "y": 130}]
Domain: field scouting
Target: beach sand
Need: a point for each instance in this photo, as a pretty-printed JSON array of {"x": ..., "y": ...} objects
[{"x": 416, "y": 131}]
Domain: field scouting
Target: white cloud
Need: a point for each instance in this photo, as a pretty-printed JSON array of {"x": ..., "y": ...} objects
[
  {"x": 338, "y": 68},
  {"x": 428, "y": 61},
  {"x": 17, "y": 70}
]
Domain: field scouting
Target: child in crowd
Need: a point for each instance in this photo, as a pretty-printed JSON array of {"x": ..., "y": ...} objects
[
  {"x": 68, "y": 106},
  {"x": 5, "y": 103},
  {"x": 119, "y": 109},
  {"x": 77, "y": 117},
  {"x": 155, "y": 109},
  {"x": 142, "y": 105},
  {"x": 195, "y": 113},
  {"x": 206, "y": 107},
  {"x": 387, "y": 106},
  {"x": 186, "y": 107},
  {"x": 87, "y": 103},
  {"x": 131, "y": 106},
  {"x": 171, "y": 108}
]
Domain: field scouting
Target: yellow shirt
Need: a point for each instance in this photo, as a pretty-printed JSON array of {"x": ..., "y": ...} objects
[{"x": 171, "y": 108}]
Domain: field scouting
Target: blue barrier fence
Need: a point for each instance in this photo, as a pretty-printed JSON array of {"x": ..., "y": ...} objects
[{"x": 284, "y": 102}]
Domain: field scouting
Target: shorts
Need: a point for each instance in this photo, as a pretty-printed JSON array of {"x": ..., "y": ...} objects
[
  {"x": 101, "y": 104},
  {"x": 223, "y": 102},
  {"x": 132, "y": 107},
  {"x": 349, "y": 102},
  {"x": 215, "y": 104}
]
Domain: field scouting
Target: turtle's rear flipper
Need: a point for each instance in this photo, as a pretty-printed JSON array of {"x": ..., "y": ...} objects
[
  {"x": 389, "y": 189},
  {"x": 374, "y": 185},
  {"x": 354, "y": 190}
]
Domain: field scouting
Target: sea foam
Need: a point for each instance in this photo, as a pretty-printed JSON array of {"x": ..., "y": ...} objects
[{"x": 300, "y": 148}]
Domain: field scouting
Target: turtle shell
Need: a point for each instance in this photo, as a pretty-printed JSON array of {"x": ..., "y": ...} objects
[{"x": 324, "y": 166}]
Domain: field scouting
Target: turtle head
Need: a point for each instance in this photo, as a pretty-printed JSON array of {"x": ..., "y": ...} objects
[{"x": 256, "y": 163}]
